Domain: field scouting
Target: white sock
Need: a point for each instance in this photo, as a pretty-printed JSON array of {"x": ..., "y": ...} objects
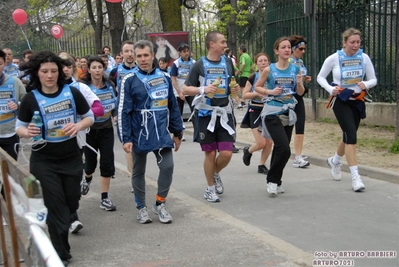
[
  {"x": 211, "y": 188},
  {"x": 297, "y": 157},
  {"x": 336, "y": 159},
  {"x": 354, "y": 171}
]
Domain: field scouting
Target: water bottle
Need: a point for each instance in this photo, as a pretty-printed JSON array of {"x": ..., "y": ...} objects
[{"x": 37, "y": 119}]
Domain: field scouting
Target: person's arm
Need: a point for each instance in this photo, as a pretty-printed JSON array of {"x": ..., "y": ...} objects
[
  {"x": 261, "y": 81},
  {"x": 125, "y": 107},
  {"x": 299, "y": 87},
  {"x": 370, "y": 74},
  {"x": 324, "y": 72}
]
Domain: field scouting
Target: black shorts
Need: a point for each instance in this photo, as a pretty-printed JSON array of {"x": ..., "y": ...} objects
[
  {"x": 254, "y": 116},
  {"x": 243, "y": 81},
  {"x": 220, "y": 134}
]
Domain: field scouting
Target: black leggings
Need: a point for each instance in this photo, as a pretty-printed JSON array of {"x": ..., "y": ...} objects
[
  {"x": 300, "y": 115},
  {"x": 281, "y": 136},
  {"x": 348, "y": 116}
]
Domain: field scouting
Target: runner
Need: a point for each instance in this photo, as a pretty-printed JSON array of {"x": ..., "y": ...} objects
[
  {"x": 349, "y": 67},
  {"x": 255, "y": 108},
  {"x": 278, "y": 116},
  {"x": 215, "y": 124}
]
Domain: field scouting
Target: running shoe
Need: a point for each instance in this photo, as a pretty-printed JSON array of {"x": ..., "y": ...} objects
[
  {"x": 300, "y": 163},
  {"x": 246, "y": 158},
  {"x": 84, "y": 186},
  {"x": 263, "y": 169},
  {"x": 235, "y": 149},
  {"x": 143, "y": 216},
  {"x": 210, "y": 195},
  {"x": 106, "y": 204},
  {"x": 163, "y": 214},
  {"x": 335, "y": 169},
  {"x": 75, "y": 227},
  {"x": 272, "y": 188},
  {"x": 217, "y": 181},
  {"x": 357, "y": 184},
  {"x": 280, "y": 190}
]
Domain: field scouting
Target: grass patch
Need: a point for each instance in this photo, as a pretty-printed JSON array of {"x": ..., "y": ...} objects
[
  {"x": 327, "y": 120},
  {"x": 395, "y": 147}
]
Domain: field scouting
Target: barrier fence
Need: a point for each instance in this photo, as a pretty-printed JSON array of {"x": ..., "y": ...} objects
[{"x": 20, "y": 188}]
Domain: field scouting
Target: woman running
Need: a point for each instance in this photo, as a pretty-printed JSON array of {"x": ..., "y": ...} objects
[
  {"x": 349, "y": 67},
  {"x": 278, "y": 116},
  {"x": 255, "y": 108}
]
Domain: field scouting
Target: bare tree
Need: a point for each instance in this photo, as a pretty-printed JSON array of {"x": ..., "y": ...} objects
[{"x": 166, "y": 9}]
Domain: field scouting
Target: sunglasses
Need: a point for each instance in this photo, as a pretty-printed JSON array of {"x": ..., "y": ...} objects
[{"x": 301, "y": 48}]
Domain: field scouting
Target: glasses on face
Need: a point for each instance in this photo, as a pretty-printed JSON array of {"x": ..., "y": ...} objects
[{"x": 301, "y": 48}]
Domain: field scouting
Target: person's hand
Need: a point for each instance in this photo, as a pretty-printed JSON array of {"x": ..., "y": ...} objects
[
  {"x": 181, "y": 96},
  {"x": 362, "y": 85},
  {"x": 128, "y": 147},
  {"x": 210, "y": 89},
  {"x": 308, "y": 79},
  {"x": 33, "y": 130},
  {"x": 177, "y": 142},
  {"x": 12, "y": 105},
  {"x": 335, "y": 91},
  {"x": 236, "y": 88},
  {"x": 71, "y": 129},
  {"x": 277, "y": 91},
  {"x": 299, "y": 78}
]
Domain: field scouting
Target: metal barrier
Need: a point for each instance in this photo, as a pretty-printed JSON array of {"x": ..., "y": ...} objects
[{"x": 36, "y": 250}]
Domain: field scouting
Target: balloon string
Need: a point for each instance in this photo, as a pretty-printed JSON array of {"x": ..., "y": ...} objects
[
  {"x": 25, "y": 37},
  {"x": 59, "y": 45}
]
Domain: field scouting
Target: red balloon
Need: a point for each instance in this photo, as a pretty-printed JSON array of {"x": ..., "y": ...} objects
[
  {"x": 113, "y": 1},
  {"x": 57, "y": 31},
  {"x": 19, "y": 16}
]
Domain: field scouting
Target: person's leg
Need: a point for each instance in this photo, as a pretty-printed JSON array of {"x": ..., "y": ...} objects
[
  {"x": 138, "y": 178},
  {"x": 281, "y": 150},
  {"x": 90, "y": 160},
  {"x": 59, "y": 205},
  {"x": 107, "y": 166},
  {"x": 267, "y": 148}
]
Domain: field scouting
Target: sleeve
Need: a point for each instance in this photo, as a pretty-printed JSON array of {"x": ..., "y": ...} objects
[
  {"x": 173, "y": 71},
  {"x": 82, "y": 107},
  {"x": 194, "y": 74},
  {"x": 125, "y": 107},
  {"x": 324, "y": 72},
  {"x": 370, "y": 72},
  {"x": 27, "y": 107},
  {"x": 19, "y": 89},
  {"x": 88, "y": 94}
]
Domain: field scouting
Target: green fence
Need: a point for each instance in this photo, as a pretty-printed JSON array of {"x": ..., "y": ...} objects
[{"x": 375, "y": 19}]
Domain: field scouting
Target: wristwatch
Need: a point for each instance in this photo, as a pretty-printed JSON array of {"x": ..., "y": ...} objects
[{"x": 178, "y": 135}]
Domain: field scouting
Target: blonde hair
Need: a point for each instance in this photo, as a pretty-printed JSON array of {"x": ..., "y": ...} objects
[{"x": 349, "y": 32}]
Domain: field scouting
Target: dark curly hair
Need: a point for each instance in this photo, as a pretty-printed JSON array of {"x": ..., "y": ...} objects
[
  {"x": 36, "y": 60},
  {"x": 92, "y": 59}
]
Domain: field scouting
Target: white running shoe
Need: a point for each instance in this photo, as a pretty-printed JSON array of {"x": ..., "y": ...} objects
[
  {"x": 357, "y": 184},
  {"x": 217, "y": 181},
  {"x": 163, "y": 214},
  {"x": 143, "y": 216},
  {"x": 272, "y": 188},
  {"x": 335, "y": 169},
  {"x": 210, "y": 195},
  {"x": 300, "y": 163},
  {"x": 75, "y": 227},
  {"x": 280, "y": 190}
]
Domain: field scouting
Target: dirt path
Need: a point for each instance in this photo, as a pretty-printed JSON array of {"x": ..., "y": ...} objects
[{"x": 321, "y": 140}]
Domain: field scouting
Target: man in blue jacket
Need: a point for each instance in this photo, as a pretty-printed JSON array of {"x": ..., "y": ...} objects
[{"x": 147, "y": 115}]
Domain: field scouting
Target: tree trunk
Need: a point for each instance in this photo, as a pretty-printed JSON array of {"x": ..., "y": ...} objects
[
  {"x": 170, "y": 11},
  {"x": 231, "y": 29},
  {"x": 97, "y": 25},
  {"x": 116, "y": 25}
]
